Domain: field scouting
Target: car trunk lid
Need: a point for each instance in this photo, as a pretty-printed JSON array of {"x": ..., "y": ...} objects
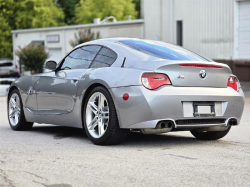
[{"x": 196, "y": 74}]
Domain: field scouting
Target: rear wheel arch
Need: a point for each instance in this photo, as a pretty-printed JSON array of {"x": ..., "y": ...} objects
[
  {"x": 91, "y": 87},
  {"x": 85, "y": 95},
  {"x": 113, "y": 133}
]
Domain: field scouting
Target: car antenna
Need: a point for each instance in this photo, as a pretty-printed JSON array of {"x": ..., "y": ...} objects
[{"x": 123, "y": 62}]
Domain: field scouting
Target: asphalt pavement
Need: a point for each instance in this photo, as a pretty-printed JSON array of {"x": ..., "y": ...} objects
[{"x": 62, "y": 157}]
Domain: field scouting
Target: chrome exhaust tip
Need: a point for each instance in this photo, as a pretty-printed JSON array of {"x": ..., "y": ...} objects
[
  {"x": 232, "y": 122},
  {"x": 161, "y": 127}
]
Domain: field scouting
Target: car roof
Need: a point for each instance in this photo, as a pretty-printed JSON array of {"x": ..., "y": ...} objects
[
  {"x": 112, "y": 40},
  {"x": 117, "y": 39}
]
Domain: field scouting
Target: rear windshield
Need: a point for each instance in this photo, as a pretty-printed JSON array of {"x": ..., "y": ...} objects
[
  {"x": 163, "y": 50},
  {"x": 5, "y": 82},
  {"x": 6, "y": 64}
]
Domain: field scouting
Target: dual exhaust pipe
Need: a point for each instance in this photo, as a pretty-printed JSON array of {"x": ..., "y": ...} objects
[
  {"x": 232, "y": 122},
  {"x": 161, "y": 127},
  {"x": 168, "y": 125}
]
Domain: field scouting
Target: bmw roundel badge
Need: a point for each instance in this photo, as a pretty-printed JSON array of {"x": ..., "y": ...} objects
[{"x": 203, "y": 74}]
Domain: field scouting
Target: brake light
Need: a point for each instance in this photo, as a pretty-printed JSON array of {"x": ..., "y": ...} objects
[
  {"x": 233, "y": 83},
  {"x": 154, "y": 80},
  {"x": 201, "y": 66}
]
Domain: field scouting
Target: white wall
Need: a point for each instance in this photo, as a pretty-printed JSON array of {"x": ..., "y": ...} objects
[
  {"x": 207, "y": 24},
  {"x": 242, "y": 30}
]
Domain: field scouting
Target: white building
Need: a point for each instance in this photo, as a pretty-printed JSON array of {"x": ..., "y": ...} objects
[
  {"x": 56, "y": 39},
  {"x": 242, "y": 29},
  {"x": 218, "y": 29}
]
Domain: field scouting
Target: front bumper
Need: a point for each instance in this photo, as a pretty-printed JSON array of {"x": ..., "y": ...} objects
[{"x": 145, "y": 108}]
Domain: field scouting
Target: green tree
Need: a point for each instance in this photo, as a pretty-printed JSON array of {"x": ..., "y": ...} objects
[
  {"x": 37, "y": 13},
  {"x": 26, "y": 14},
  {"x": 138, "y": 7},
  {"x": 68, "y": 7},
  {"x": 32, "y": 57},
  {"x": 5, "y": 39},
  {"x": 87, "y": 10}
]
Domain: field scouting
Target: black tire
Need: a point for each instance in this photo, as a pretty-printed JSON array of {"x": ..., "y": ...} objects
[
  {"x": 212, "y": 135},
  {"x": 22, "y": 124},
  {"x": 113, "y": 134}
]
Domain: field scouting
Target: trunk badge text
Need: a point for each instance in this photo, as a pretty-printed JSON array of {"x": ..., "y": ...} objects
[
  {"x": 203, "y": 74},
  {"x": 181, "y": 77}
]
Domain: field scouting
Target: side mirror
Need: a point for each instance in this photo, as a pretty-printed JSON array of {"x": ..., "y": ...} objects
[{"x": 51, "y": 65}]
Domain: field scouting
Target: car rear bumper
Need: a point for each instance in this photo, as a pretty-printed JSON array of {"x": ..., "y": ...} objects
[
  {"x": 145, "y": 108},
  {"x": 9, "y": 74}
]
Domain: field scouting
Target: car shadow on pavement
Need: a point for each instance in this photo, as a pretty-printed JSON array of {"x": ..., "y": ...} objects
[
  {"x": 137, "y": 138},
  {"x": 60, "y": 132},
  {"x": 134, "y": 138}
]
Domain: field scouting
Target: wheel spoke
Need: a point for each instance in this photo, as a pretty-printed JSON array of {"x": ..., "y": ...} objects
[
  {"x": 105, "y": 117},
  {"x": 93, "y": 124},
  {"x": 105, "y": 112},
  {"x": 100, "y": 102},
  {"x": 93, "y": 107},
  {"x": 12, "y": 102},
  {"x": 11, "y": 115},
  {"x": 18, "y": 109},
  {"x": 100, "y": 128},
  {"x": 16, "y": 118},
  {"x": 17, "y": 103}
]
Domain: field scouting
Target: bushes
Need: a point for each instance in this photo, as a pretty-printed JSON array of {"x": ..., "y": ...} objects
[{"x": 32, "y": 57}]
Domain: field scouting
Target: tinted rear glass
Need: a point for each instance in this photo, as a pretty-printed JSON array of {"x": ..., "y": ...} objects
[
  {"x": 5, "y": 82},
  {"x": 104, "y": 58},
  {"x": 163, "y": 50},
  {"x": 6, "y": 64}
]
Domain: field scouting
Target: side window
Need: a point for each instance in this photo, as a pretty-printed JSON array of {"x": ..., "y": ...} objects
[
  {"x": 80, "y": 58},
  {"x": 105, "y": 58}
]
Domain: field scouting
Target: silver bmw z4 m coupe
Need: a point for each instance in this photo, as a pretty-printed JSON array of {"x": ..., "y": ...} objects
[{"x": 111, "y": 86}]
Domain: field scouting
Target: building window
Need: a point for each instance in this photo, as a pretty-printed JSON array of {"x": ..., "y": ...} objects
[{"x": 179, "y": 33}]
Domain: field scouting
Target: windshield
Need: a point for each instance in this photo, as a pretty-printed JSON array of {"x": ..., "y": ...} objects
[{"x": 163, "y": 50}]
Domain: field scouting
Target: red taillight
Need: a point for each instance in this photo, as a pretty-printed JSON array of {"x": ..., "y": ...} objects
[
  {"x": 154, "y": 80},
  {"x": 233, "y": 83},
  {"x": 201, "y": 66}
]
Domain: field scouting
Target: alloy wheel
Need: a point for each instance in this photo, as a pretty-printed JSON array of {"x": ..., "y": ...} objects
[
  {"x": 14, "y": 109},
  {"x": 97, "y": 115}
]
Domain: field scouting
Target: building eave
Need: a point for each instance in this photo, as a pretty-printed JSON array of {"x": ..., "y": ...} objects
[{"x": 92, "y": 25}]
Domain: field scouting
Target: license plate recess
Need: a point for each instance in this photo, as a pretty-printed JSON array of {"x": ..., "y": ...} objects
[{"x": 204, "y": 109}]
